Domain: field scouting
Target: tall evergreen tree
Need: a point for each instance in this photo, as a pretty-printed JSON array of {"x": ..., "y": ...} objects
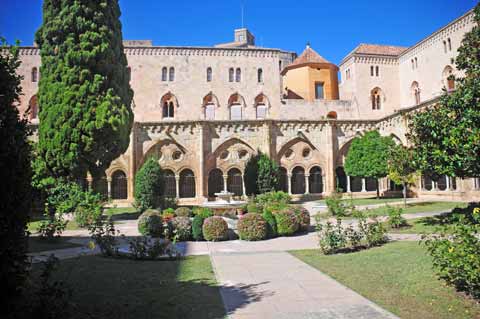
[
  {"x": 84, "y": 92},
  {"x": 15, "y": 174},
  {"x": 447, "y": 136}
]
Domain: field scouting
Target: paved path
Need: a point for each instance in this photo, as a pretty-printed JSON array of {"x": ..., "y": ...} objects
[{"x": 278, "y": 285}]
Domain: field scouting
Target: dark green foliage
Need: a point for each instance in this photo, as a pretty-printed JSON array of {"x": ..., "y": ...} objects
[
  {"x": 15, "y": 174},
  {"x": 261, "y": 175},
  {"x": 215, "y": 228},
  {"x": 271, "y": 224},
  {"x": 183, "y": 228},
  {"x": 287, "y": 223},
  {"x": 150, "y": 223},
  {"x": 303, "y": 218},
  {"x": 273, "y": 201},
  {"x": 203, "y": 212},
  {"x": 456, "y": 250},
  {"x": 395, "y": 218},
  {"x": 183, "y": 212},
  {"x": 84, "y": 92},
  {"x": 447, "y": 136},
  {"x": 368, "y": 156},
  {"x": 335, "y": 205},
  {"x": 149, "y": 185},
  {"x": 252, "y": 227},
  {"x": 197, "y": 225}
]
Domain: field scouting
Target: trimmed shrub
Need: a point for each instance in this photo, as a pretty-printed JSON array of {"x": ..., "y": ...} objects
[
  {"x": 252, "y": 227},
  {"x": 287, "y": 222},
  {"x": 197, "y": 225},
  {"x": 183, "y": 228},
  {"x": 271, "y": 223},
  {"x": 273, "y": 197},
  {"x": 215, "y": 229},
  {"x": 303, "y": 218},
  {"x": 150, "y": 223},
  {"x": 183, "y": 212},
  {"x": 149, "y": 185}
]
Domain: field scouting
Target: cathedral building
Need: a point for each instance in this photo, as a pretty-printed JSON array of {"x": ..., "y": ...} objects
[{"x": 205, "y": 111}]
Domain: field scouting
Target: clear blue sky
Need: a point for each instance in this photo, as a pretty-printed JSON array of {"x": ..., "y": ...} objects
[{"x": 333, "y": 28}]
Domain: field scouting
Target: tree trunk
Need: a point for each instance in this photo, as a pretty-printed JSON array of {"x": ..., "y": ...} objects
[
  {"x": 378, "y": 190},
  {"x": 404, "y": 191}
]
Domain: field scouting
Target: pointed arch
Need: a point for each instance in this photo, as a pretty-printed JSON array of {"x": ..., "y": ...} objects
[
  {"x": 209, "y": 104},
  {"x": 262, "y": 105},
  {"x": 415, "y": 92},
  {"x": 286, "y": 146},
  {"x": 169, "y": 104},
  {"x": 448, "y": 78},
  {"x": 33, "y": 108},
  {"x": 236, "y": 103},
  {"x": 377, "y": 98},
  {"x": 234, "y": 140},
  {"x": 34, "y": 74}
]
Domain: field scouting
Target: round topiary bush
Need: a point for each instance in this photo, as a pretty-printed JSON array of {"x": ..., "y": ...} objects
[
  {"x": 183, "y": 228},
  {"x": 183, "y": 212},
  {"x": 271, "y": 224},
  {"x": 287, "y": 222},
  {"x": 215, "y": 229},
  {"x": 150, "y": 223},
  {"x": 252, "y": 227},
  {"x": 303, "y": 218}
]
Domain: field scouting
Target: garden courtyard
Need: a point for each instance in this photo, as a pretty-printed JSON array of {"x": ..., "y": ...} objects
[{"x": 283, "y": 277}]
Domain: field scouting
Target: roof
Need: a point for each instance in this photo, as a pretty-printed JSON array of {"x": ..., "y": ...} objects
[
  {"x": 379, "y": 49},
  {"x": 308, "y": 57}
]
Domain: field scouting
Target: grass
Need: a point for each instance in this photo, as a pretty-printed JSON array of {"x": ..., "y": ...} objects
[
  {"x": 398, "y": 277},
  {"x": 422, "y": 207},
  {"x": 122, "y": 211},
  {"x": 37, "y": 244},
  {"x": 367, "y": 201},
  {"x": 33, "y": 226},
  {"x": 123, "y": 288}
]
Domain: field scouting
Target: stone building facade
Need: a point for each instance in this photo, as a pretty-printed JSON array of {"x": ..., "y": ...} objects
[{"x": 205, "y": 111}]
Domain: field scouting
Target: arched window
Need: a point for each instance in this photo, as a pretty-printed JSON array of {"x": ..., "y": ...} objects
[
  {"x": 261, "y": 106},
  {"x": 231, "y": 75},
  {"x": 171, "y": 74},
  {"x": 356, "y": 184},
  {"x": 445, "y": 46},
  {"x": 449, "y": 44},
  {"x": 315, "y": 180},
  {"x": 169, "y": 105},
  {"x": 260, "y": 75},
  {"x": 376, "y": 98},
  {"x": 33, "y": 108},
  {"x": 209, "y": 74},
  {"x": 415, "y": 88},
  {"x": 170, "y": 184},
  {"x": 413, "y": 64},
  {"x": 187, "y": 184},
  {"x": 209, "y": 105},
  {"x": 235, "y": 182},
  {"x": 332, "y": 115},
  {"x": 377, "y": 71},
  {"x": 371, "y": 70},
  {"x": 283, "y": 179},
  {"x": 119, "y": 185},
  {"x": 427, "y": 183},
  {"x": 238, "y": 75},
  {"x": 34, "y": 74},
  {"x": 280, "y": 65},
  {"x": 235, "y": 103},
  {"x": 164, "y": 74},
  {"x": 448, "y": 78},
  {"x": 298, "y": 180},
  {"x": 416, "y": 62},
  {"x": 370, "y": 184},
  {"x": 215, "y": 182},
  {"x": 341, "y": 179}
]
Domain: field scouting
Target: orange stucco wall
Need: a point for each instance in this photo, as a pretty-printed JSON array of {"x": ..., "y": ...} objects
[{"x": 301, "y": 82}]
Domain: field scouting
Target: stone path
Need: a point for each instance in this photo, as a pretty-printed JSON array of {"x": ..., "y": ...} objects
[{"x": 278, "y": 285}]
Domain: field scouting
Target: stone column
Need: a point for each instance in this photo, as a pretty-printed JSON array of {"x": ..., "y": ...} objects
[
  {"x": 225, "y": 178},
  {"x": 448, "y": 184},
  {"x": 132, "y": 154},
  {"x": 330, "y": 132},
  {"x": 307, "y": 183},
  {"x": 109, "y": 187},
  {"x": 200, "y": 179},
  {"x": 434, "y": 186},
  {"x": 364, "y": 185},
  {"x": 89, "y": 182},
  {"x": 243, "y": 188},
  {"x": 289, "y": 178},
  {"x": 177, "y": 186},
  {"x": 349, "y": 189}
]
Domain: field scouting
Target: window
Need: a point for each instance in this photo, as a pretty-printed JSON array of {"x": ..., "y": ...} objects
[
  {"x": 34, "y": 74},
  {"x": 347, "y": 74},
  {"x": 209, "y": 104},
  {"x": 209, "y": 74},
  {"x": 449, "y": 44},
  {"x": 171, "y": 74},
  {"x": 413, "y": 64},
  {"x": 448, "y": 78},
  {"x": 377, "y": 70},
  {"x": 376, "y": 97},
  {"x": 261, "y": 106},
  {"x": 230, "y": 75},
  {"x": 280, "y": 66},
  {"x": 416, "y": 92},
  {"x": 371, "y": 70},
  {"x": 445, "y": 46},
  {"x": 416, "y": 62},
  {"x": 168, "y": 103},
  {"x": 238, "y": 75},
  {"x": 235, "y": 103},
  {"x": 260, "y": 75},
  {"x": 164, "y": 74},
  {"x": 319, "y": 91},
  {"x": 33, "y": 107}
]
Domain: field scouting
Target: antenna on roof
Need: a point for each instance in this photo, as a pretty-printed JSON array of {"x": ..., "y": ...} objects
[
  {"x": 243, "y": 9},
  {"x": 308, "y": 44}
]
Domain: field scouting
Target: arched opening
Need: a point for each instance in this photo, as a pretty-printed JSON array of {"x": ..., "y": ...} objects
[
  {"x": 33, "y": 108},
  {"x": 427, "y": 182},
  {"x": 315, "y": 180},
  {"x": 376, "y": 98},
  {"x": 168, "y": 103},
  {"x": 448, "y": 78},
  {"x": 170, "y": 188},
  {"x": 261, "y": 106},
  {"x": 34, "y": 74},
  {"x": 283, "y": 179},
  {"x": 187, "y": 184},
  {"x": 415, "y": 88},
  {"x": 230, "y": 74},
  {"x": 119, "y": 185},
  {"x": 209, "y": 74},
  {"x": 355, "y": 184},
  {"x": 395, "y": 187},
  {"x": 171, "y": 74},
  {"x": 235, "y": 103},
  {"x": 100, "y": 185},
  {"x": 370, "y": 184},
  {"x": 298, "y": 180},
  {"x": 164, "y": 74},
  {"x": 332, "y": 115},
  {"x": 442, "y": 183},
  {"x": 215, "y": 182},
  {"x": 238, "y": 75},
  {"x": 209, "y": 105},
  {"x": 260, "y": 75},
  {"x": 341, "y": 179},
  {"x": 235, "y": 182}
]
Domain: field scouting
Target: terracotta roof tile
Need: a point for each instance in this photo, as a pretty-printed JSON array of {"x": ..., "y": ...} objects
[
  {"x": 379, "y": 49},
  {"x": 309, "y": 56}
]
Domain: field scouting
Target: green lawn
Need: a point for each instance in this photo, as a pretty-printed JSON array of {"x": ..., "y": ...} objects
[
  {"x": 422, "y": 207},
  {"x": 398, "y": 277},
  {"x": 37, "y": 244},
  {"x": 367, "y": 201},
  {"x": 123, "y": 288},
  {"x": 122, "y": 211},
  {"x": 423, "y": 225},
  {"x": 33, "y": 226}
]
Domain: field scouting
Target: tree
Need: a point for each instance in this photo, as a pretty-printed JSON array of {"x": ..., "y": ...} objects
[
  {"x": 15, "y": 174},
  {"x": 401, "y": 169},
  {"x": 261, "y": 174},
  {"x": 149, "y": 185},
  {"x": 368, "y": 156},
  {"x": 447, "y": 136},
  {"x": 84, "y": 92}
]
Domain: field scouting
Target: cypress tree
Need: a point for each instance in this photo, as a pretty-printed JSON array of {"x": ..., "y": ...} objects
[{"x": 84, "y": 92}]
